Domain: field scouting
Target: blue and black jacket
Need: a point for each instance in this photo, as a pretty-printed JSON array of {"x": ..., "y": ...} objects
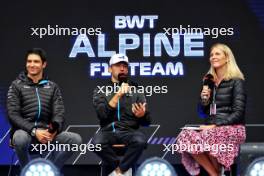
[
  {"x": 122, "y": 117},
  {"x": 32, "y": 104}
]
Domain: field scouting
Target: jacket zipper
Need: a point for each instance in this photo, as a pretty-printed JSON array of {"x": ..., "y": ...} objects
[
  {"x": 39, "y": 106},
  {"x": 118, "y": 115}
]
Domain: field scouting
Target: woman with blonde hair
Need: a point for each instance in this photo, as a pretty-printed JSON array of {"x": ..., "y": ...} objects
[{"x": 216, "y": 143}]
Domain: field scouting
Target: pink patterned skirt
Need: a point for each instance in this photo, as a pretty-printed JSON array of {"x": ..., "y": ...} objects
[{"x": 221, "y": 142}]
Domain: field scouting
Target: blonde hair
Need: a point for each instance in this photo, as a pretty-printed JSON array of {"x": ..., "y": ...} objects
[{"x": 232, "y": 69}]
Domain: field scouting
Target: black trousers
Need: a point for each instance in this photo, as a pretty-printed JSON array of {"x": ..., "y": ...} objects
[{"x": 135, "y": 142}]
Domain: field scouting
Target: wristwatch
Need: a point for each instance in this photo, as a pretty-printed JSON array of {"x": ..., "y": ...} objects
[{"x": 33, "y": 132}]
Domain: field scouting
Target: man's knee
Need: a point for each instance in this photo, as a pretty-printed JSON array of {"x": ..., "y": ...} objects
[
  {"x": 139, "y": 141},
  {"x": 21, "y": 138},
  {"x": 69, "y": 138},
  {"x": 97, "y": 139},
  {"x": 105, "y": 141}
]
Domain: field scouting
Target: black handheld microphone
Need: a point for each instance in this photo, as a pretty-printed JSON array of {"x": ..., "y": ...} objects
[
  {"x": 123, "y": 78},
  {"x": 53, "y": 127},
  {"x": 208, "y": 83}
]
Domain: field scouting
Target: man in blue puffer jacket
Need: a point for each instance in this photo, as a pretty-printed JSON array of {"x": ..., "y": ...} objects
[{"x": 36, "y": 111}]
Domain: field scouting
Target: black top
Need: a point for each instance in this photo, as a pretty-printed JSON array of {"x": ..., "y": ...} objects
[
  {"x": 230, "y": 99},
  {"x": 109, "y": 118},
  {"x": 32, "y": 104}
]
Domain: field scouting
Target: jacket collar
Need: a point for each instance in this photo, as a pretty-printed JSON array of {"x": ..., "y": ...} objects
[{"x": 24, "y": 78}]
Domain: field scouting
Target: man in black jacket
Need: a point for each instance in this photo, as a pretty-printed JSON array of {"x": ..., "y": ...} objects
[
  {"x": 120, "y": 112},
  {"x": 36, "y": 111}
]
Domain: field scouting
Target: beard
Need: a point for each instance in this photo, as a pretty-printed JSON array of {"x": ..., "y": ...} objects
[{"x": 122, "y": 77}]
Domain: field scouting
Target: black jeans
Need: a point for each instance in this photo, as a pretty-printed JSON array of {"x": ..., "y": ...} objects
[{"x": 135, "y": 142}]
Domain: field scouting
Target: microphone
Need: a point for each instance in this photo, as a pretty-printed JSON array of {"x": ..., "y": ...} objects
[
  {"x": 123, "y": 78},
  {"x": 53, "y": 127},
  {"x": 208, "y": 83}
]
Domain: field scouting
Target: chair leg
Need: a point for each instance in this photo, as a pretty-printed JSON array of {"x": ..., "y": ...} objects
[{"x": 101, "y": 170}]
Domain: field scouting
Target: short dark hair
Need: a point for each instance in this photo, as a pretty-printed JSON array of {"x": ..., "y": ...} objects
[{"x": 38, "y": 51}]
